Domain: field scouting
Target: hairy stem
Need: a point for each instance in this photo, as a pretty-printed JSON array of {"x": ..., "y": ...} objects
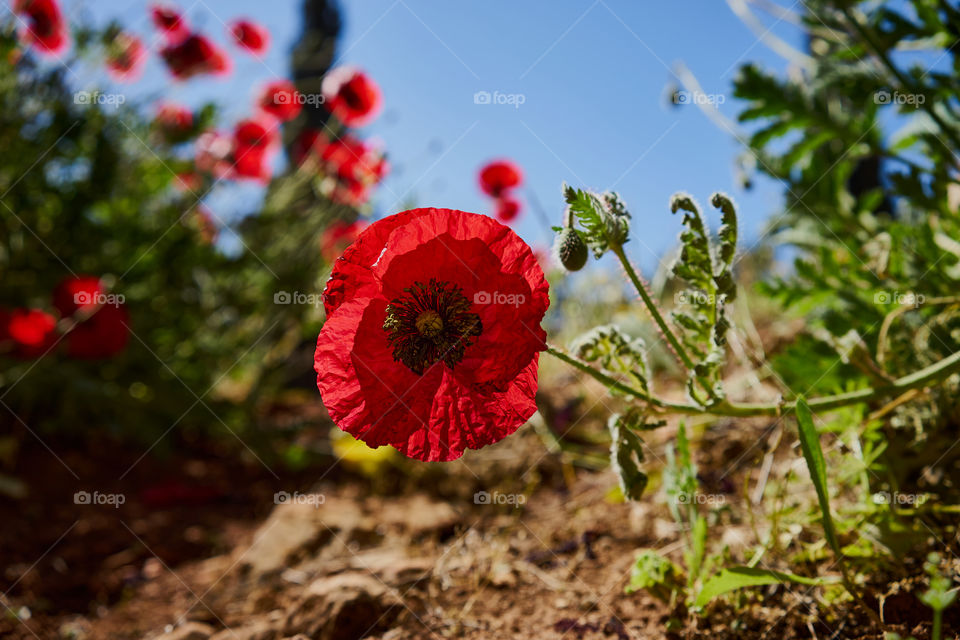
[{"x": 932, "y": 375}]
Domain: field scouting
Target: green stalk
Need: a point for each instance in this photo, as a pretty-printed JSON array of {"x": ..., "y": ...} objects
[
  {"x": 652, "y": 307},
  {"x": 932, "y": 375}
]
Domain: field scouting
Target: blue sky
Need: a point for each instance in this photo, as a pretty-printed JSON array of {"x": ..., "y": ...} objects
[{"x": 591, "y": 76}]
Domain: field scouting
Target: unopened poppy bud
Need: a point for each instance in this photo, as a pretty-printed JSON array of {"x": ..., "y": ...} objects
[{"x": 571, "y": 249}]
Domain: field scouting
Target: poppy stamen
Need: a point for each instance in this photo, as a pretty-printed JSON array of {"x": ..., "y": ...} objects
[{"x": 432, "y": 323}]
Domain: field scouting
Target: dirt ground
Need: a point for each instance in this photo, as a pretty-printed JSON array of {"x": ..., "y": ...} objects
[{"x": 200, "y": 550}]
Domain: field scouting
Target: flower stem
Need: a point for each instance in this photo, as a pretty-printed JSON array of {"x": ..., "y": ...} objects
[
  {"x": 652, "y": 307},
  {"x": 932, "y": 375}
]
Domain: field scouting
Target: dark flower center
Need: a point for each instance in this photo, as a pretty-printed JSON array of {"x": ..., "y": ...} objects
[{"x": 431, "y": 323}]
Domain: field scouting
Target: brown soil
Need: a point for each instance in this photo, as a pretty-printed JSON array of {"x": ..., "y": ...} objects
[{"x": 200, "y": 550}]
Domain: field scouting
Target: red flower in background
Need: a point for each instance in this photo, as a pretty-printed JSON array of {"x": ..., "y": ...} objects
[
  {"x": 77, "y": 293},
  {"x": 212, "y": 154},
  {"x": 338, "y": 236},
  {"x": 252, "y": 143},
  {"x": 46, "y": 29},
  {"x": 126, "y": 56},
  {"x": 32, "y": 332},
  {"x": 352, "y": 165},
  {"x": 499, "y": 176},
  {"x": 351, "y": 96},
  {"x": 433, "y": 334},
  {"x": 102, "y": 335},
  {"x": 170, "y": 22},
  {"x": 281, "y": 100},
  {"x": 507, "y": 208},
  {"x": 194, "y": 55},
  {"x": 251, "y": 36},
  {"x": 175, "y": 121}
]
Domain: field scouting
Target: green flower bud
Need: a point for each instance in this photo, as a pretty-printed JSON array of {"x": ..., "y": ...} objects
[{"x": 571, "y": 250}]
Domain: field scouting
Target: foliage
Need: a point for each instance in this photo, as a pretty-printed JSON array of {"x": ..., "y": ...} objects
[{"x": 88, "y": 187}]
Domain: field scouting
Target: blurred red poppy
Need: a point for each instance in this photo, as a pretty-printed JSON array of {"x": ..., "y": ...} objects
[
  {"x": 433, "y": 334},
  {"x": 507, "y": 208},
  {"x": 253, "y": 141},
  {"x": 499, "y": 176},
  {"x": 78, "y": 293},
  {"x": 46, "y": 29},
  {"x": 194, "y": 55},
  {"x": 353, "y": 166},
  {"x": 170, "y": 22},
  {"x": 32, "y": 332},
  {"x": 351, "y": 96},
  {"x": 212, "y": 154},
  {"x": 251, "y": 36},
  {"x": 126, "y": 56},
  {"x": 281, "y": 100},
  {"x": 174, "y": 121},
  {"x": 102, "y": 335}
]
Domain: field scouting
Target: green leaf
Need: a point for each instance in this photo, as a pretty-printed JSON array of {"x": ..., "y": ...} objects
[
  {"x": 615, "y": 351},
  {"x": 604, "y": 218},
  {"x": 740, "y": 577},
  {"x": 655, "y": 574},
  {"x": 813, "y": 454},
  {"x": 626, "y": 454}
]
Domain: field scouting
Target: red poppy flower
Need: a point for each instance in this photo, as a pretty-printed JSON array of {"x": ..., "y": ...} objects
[
  {"x": 351, "y": 96},
  {"x": 433, "y": 334},
  {"x": 353, "y": 166},
  {"x": 174, "y": 121},
  {"x": 194, "y": 55},
  {"x": 251, "y": 36},
  {"x": 126, "y": 56},
  {"x": 281, "y": 100},
  {"x": 499, "y": 176},
  {"x": 102, "y": 335},
  {"x": 170, "y": 22},
  {"x": 46, "y": 29},
  {"x": 32, "y": 331},
  {"x": 507, "y": 208},
  {"x": 212, "y": 154},
  {"x": 252, "y": 143},
  {"x": 77, "y": 293},
  {"x": 338, "y": 236}
]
